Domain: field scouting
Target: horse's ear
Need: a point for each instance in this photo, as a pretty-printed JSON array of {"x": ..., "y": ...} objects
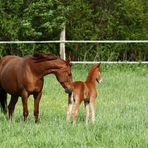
[
  {"x": 68, "y": 62},
  {"x": 99, "y": 65}
]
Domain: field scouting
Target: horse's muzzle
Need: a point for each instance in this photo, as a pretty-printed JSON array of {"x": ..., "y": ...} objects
[{"x": 68, "y": 91}]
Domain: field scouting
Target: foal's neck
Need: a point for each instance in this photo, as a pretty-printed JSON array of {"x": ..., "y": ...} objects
[{"x": 91, "y": 78}]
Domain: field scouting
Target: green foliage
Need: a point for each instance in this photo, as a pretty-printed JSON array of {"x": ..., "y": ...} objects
[
  {"x": 85, "y": 20},
  {"x": 44, "y": 21},
  {"x": 30, "y": 20}
]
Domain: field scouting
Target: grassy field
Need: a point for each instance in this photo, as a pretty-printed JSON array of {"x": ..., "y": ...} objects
[{"x": 121, "y": 114}]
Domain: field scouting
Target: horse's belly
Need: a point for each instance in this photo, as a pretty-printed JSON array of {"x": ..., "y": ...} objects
[
  {"x": 33, "y": 85},
  {"x": 8, "y": 82},
  {"x": 9, "y": 86},
  {"x": 32, "y": 89}
]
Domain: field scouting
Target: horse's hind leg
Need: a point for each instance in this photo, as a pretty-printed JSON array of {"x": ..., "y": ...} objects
[
  {"x": 70, "y": 104},
  {"x": 92, "y": 106},
  {"x": 37, "y": 97},
  {"x": 11, "y": 105},
  {"x": 86, "y": 103}
]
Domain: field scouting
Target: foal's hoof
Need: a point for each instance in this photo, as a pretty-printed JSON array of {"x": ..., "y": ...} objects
[{"x": 36, "y": 121}]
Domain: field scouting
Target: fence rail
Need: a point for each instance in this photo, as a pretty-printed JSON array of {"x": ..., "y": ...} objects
[
  {"x": 109, "y": 62},
  {"x": 86, "y": 41},
  {"x": 74, "y": 41}
]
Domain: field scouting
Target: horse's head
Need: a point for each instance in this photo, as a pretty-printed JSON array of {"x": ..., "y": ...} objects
[
  {"x": 98, "y": 73},
  {"x": 49, "y": 63},
  {"x": 64, "y": 76}
]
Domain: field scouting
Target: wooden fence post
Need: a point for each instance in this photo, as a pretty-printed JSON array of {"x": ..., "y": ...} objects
[{"x": 62, "y": 45}]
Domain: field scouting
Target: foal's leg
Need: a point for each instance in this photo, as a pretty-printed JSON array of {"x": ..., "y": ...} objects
[
  {"x": 78, "y": 101},
  {"x": 37, "y": 97},
  {"x": 11, "y": 105},
  {"x": 25, "y": 105},
  {"x": 86, "y": 103},
  {"x": 70, "y": 104},
  {"x": 92, "y": 106}
]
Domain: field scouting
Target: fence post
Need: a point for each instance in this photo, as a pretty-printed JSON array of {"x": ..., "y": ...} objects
[{"x": 62, "y": 45}]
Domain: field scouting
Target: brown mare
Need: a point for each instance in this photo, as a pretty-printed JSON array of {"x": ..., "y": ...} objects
[
  {"x": 84, "y": 91},
  {"x": 23, "y": 76}
]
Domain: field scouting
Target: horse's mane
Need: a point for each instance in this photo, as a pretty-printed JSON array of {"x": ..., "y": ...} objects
[{"x": 39, "y": 57}]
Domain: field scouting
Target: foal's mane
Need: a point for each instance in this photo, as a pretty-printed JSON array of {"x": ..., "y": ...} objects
[{"x": 40, "y": 57}]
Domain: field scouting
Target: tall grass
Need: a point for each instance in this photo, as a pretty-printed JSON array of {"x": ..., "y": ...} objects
[{"x": 121, "y": 114}]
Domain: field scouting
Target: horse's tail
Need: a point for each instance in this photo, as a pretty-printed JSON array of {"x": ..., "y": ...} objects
[{"x": 3, "y": 100}]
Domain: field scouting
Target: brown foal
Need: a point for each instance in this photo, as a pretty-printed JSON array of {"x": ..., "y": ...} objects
[{"x": 84, "y": 91}]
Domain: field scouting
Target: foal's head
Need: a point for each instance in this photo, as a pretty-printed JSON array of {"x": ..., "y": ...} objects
[{"x": 97, "y": 72}]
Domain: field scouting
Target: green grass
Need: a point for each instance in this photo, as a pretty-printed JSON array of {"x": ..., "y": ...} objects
[{"x": 121, "y": 114}]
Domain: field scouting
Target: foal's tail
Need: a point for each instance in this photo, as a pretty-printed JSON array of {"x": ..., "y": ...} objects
[{"x": 3, "y": 101}]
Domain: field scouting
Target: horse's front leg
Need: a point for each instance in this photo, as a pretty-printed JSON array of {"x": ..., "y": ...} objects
[
  {"x": 37, "y": 97},
  {"x": 11, "y": 105},
  {"x": 25, "y": 105},
  {"x": 70, "y": 104}
]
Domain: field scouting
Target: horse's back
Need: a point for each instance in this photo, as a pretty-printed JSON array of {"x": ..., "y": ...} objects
[
  {"x": 17, "y": 76},
  {"x": 8, "y": 64},
  {"x": 80, "y": 89},
  {"x": 9, "y": 68},
  {"x": 4, "y": 61},
  {"x": 85, "y": 89},
  {"x": 78, "y": 85}
]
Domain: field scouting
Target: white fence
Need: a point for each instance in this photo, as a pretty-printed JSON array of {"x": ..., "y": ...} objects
[
  {"x": 63, "y": 42},
  {"x": 74, "y": 41}
]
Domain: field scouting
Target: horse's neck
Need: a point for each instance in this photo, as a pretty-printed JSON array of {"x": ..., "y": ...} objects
[{"x": 41, "y": 68}]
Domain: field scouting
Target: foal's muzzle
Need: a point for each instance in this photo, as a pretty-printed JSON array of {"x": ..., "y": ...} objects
[{"x": 99, "y": 81}]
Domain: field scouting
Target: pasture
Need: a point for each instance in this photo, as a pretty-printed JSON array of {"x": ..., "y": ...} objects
[{"x": 121, "y": 114}]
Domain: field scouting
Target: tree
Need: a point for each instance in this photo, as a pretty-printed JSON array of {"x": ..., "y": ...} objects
[
  {"x": 30, "y": 20},
  {"x": 84, "y": 19}
]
